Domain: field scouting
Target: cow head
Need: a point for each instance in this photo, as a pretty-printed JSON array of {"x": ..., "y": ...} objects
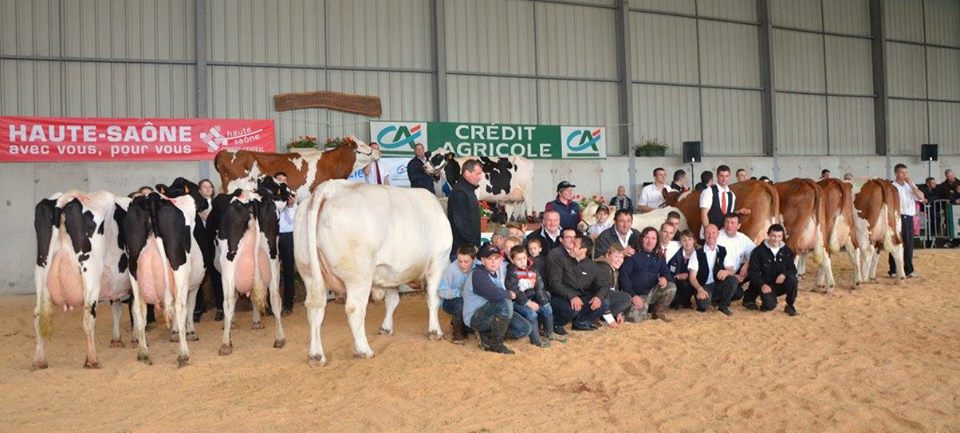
[
  {"x": 180, "y": 187},
  {"x": 445, "y": 161},
  {"x": 365, "y": 154},
  {"x": 671, "y": 197},
  {"x": 268, "y": 188}
]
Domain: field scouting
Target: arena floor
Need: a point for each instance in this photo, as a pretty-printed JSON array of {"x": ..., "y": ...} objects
[{"x": 885, "y": 357}]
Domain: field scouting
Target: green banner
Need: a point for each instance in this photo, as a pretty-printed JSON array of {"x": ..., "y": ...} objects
[{"x": 398, "y": 139}]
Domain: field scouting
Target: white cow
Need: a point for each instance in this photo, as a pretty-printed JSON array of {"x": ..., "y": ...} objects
[
  {"x": 507, "y": 180},
  {"x": 80, "y": 260},
  {"x": 654, "y": 218},
  {"x": 352, "y": 238}
]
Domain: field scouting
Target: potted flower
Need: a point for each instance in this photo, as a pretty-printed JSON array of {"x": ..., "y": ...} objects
[
  {"x": 651, "y": 147},
  {"x": 485, "y": 214},
  {"x": 585, "y": 202},
  {"x": 303, "y": 142}
]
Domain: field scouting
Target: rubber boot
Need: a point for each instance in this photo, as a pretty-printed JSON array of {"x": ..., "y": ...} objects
[
  {"x": 459, "y": 334},
  {"x": 498, "y": 330}
]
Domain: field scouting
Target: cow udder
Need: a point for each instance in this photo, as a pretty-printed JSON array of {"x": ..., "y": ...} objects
[{"x": 63, "y": 280}]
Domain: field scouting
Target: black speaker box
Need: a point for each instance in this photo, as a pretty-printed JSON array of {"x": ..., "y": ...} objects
[
  {"x": 928, "y": 152},
  {"x": 692, "y": 151}
]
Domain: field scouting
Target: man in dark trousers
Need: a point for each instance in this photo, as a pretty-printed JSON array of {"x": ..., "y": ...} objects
[
  {"x": 285, "y": 246},
  {"x": 576, "y": 283},
  {"x": 415, "y": 172},
  {"x": 715, "y": 280},
  {"x": 463, "y": 209},
  {"x": 909, "y": 196},
  {"x": 772, "y": 274}
]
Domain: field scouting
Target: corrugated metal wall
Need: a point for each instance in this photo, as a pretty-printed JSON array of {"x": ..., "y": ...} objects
[
  {"x": 824, "y": 83},
  {"x": 923, "y": 65}
]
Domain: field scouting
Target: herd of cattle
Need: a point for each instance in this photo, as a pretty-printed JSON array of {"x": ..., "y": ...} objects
[{"x": 358, "y": 240}]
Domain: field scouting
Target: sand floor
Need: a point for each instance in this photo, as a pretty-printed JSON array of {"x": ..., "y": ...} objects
[{"x": 885, "y": 357}]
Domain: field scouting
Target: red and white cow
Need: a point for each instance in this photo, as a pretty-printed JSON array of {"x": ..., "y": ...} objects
[
  {"x": 80, "y": 261},
  {"x": 354, "y": 239},
  {"x": 878, "y": 226},
  {"x": 801, "y": 207},
  {"x": 505, "y": 180},
  {"x": 166, "y": 265},
  {"x": 839, "y": 227}
]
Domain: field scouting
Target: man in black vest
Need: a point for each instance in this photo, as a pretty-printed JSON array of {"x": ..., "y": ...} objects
[
  {"x": 772, "y": 274},
  {"x": 718, "y": 200}
]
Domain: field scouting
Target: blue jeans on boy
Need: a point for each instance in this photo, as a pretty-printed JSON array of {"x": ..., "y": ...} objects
[
  {"x": 453, "y": 307},
  {"x": 546, "y": 315},
  {"x": 519, "y": 327}
]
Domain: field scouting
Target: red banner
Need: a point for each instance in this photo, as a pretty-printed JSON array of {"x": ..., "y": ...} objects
[{"x": 64, "y": 139}]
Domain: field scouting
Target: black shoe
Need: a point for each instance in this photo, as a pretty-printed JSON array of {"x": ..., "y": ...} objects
[
  {"x": 790, "y": 310},
  {"x": 559, "y": 330},
  {"x": 286, "y": 312},
  {"x": 219, "y": 316},
  {"x": 197, "y": 316},
  {"x": 584, "y": 326},
  {"x": 726, "y": 310},
  {"x": 751, "y": 306}
]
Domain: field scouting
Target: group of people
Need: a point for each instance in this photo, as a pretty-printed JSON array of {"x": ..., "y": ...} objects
[{"x": 532, "y": 286}]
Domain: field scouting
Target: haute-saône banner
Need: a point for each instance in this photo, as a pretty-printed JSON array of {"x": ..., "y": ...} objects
[
  {"x": 492, "y": 140},
  {"x": 65, "y": 139}
]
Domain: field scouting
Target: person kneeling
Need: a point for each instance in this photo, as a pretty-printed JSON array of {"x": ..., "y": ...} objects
[
  {"x": 646, "y": 277},
  {"x": 772, "y": 274},
  {"x": 530, "y": 300},
  {"x": 455, "y": 280},
  {"x": 487, "y": 307}
]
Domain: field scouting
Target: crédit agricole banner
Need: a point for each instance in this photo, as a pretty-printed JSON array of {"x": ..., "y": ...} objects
[{"x": 65, "y": 139}]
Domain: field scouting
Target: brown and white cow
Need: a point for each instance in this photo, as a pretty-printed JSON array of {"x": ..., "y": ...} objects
[
  {"x": 878, "y": 226},
  {"x": 80, "y": 261},
  {"x": 758, "y": 196},
  {"x": 801, "y": 208},
  {"x": 166, "y": 265},
  {"x": 839, "y": 227},
  {"x": 357, "y": 239},
  {"x": 507, "y": 180},
  {"x": 305, "y": 168}
]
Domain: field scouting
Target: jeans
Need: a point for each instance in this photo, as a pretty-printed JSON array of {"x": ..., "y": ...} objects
[
  {"x": 546, "y": 315},
  {"x": 453, "y": 307},
  {"x": 519, "y": 327}
]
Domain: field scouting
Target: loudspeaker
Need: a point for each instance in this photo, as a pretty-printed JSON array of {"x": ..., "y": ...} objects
[
  {"x": 692, "y": 151},
  {"x": 928, "y": 152}
]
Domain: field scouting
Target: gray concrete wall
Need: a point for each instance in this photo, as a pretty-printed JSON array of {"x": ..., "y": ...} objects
[{"x": 25, "y": 184}]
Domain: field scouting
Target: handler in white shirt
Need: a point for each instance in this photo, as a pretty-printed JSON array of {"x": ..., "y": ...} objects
[
  {"x": 651, "y": 196},
  {"x": 738, "y": 246},
  {"x": 909, "y": 196}
]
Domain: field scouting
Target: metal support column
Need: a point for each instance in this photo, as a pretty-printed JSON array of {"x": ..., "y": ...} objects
[
  {"x": 625, "y": 89},
  {"x": 200, "y": 31},
  {"x": 768, "y": 95},
  {"x": 878, "y": 50},
  {"x": 440, "y": 61}
]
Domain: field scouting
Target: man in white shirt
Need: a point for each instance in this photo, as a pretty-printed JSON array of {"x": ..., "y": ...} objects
[
  {"x": 285, "y": 245},
  {"x": 909, "y": 196},
  {"x": 668, "y": 246},
  {"x": 716, "y": 274},
  {"x": 651, "y": 196},
  {"x": 718, "y": 201},
  {"x": 373, "y": 173},
  {"x": 739, "y": 247}
]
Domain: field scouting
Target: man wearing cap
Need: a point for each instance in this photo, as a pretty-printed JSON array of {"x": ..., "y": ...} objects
[
  {"x": 568, "y": 209},
  {"x": 487, "y": 307}
]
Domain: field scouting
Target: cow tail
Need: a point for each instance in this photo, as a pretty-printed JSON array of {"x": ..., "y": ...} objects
[
  {"x": 819, "y": 253},
  {"x": 46, "y": 314},
  {"x": 313, "y": 214},
  {"x": 259, "y": 294}
]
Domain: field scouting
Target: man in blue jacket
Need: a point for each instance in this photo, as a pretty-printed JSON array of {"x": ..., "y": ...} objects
[
  {"x": 647, "y": 279},
  {"x": 415, "y": 172},
  {"x": 487, "y": 306},
  {"x": 568, "y": 209}
]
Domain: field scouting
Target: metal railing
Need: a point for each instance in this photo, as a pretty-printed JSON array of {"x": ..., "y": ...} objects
[{"x": 939, "y": 224}]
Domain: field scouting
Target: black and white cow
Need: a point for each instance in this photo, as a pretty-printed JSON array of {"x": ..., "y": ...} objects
[
  {"x": 506, "y": 180},
  {"x": 166, "y": 264},
  {"x": 80, "y": 261},
  {"x": 246, "y": 227}
]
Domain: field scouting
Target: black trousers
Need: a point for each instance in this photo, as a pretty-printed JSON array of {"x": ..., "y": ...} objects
[
  {"x": 563, "y": 313},
  {"x": 720, "y": 292},
  {"x": 216, "y": 286},
  {"x": 906, "y": 234},
  {"x": 288, "y": 271},
  {"x": 789, "y": 288}
]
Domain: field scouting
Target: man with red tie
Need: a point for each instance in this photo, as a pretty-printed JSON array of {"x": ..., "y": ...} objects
[
  {"x": 373, "y": 173},
  {"x": 718, "y": 200}
]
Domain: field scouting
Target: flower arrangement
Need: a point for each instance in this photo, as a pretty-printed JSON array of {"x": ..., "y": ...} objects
[
  {"x": 584, "y": 201},
  {"x": 485, "y": 210},
  {"x": 303, "y": 142},
  {"x": 651, "y": 147},
  {"x": 333, "y": 142}
]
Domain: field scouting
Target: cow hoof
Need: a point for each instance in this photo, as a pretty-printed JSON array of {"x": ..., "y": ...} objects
[
  {"x": 134, "y": 341},
  {"x": 145, "y": 358},
  {"x": 192, "y": 336},
  {"x": 316, "y": 360},
  {"x": 116, "y": 343},
  {"x": 384, "y": 331},
  {"x": 174, "y": 337},
  {"x": 183, "y": 361},
  {"x": 278, "y": 344},
  {"x": 257, "y": 326},
  {"x": 363, "y": 355},
  {"x": 435, "y": 335},
  {"x": 91, "y": 365},
  {"x": 40, "y": 365},
  {"x": 226, "y": 349}
]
